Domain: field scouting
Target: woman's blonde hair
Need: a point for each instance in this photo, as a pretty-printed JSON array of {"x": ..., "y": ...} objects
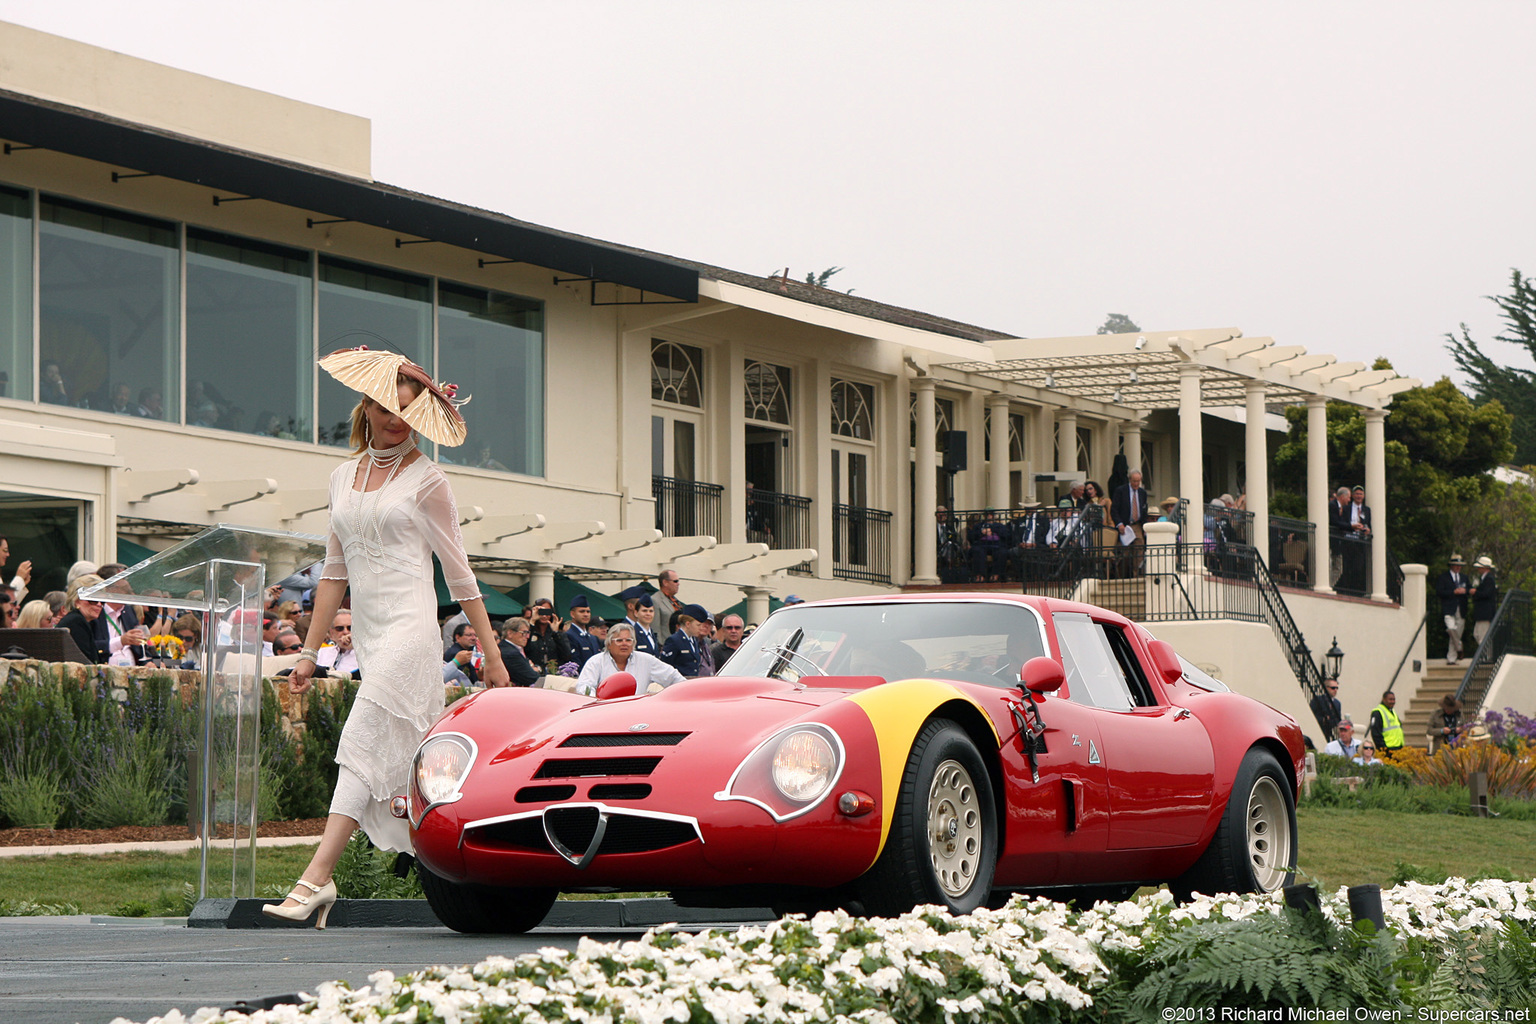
[
  {"x": 360, "y": 432},
  {"x": 34, "y": 615},
  {"x": 72, "y": 596}
]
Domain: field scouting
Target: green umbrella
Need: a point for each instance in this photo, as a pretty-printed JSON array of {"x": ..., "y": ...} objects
[
  {"x": 497, "y": 604},
  {"x": 610, "y": 608},
  {"x": 130, "y": 553}
]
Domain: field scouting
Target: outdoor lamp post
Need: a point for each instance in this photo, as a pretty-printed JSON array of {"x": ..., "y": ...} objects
[{"x": 1333, "y": 661}]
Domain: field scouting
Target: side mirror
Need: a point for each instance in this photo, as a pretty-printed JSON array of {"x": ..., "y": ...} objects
[
  {"x": 620, "y": 684},
  {"x": 1166, "y": 661},
  {"x": 1042, "y": 675}
]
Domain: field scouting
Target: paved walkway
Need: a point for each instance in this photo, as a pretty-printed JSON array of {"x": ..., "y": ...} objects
[
  {"x": 169, "y": 846},
  {"x": 85, "y": 970}
]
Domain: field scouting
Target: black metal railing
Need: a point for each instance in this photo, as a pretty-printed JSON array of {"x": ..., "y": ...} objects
[
  {"x": 1150, "y": 583},
  {"x": 686, "y": 508},
  {"x": 1292, "y": 644},
  {"x": 861, "y": 544},
  {"x": 1293, "y": 551},
  {"x": 1508, "y": 633},
  {"x": 781, "y": 521}
]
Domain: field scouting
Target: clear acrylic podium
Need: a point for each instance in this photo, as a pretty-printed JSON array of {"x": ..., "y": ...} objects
[{"x": 222, "y": 574}]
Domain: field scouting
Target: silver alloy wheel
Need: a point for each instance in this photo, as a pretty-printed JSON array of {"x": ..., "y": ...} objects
[
  {"x": 954, "y": 828},
  {"x": 1269, "y": 834}
]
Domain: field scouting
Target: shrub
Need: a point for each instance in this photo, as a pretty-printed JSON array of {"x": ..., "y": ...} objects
[
  {"x": 128, "y": 783},
  {"x": 1510, "y": 729},
  {"x": 367, "y": 873},
  {"x": 1508, "y": 774},
  {"x": 31, "y": 797}
]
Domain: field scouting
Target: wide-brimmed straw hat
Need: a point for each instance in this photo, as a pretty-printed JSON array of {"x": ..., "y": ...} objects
[
  {"x": 376, "y": 374},
  {"x": 1169, "y": 501},
  {"x": 1483, "y": 562}
]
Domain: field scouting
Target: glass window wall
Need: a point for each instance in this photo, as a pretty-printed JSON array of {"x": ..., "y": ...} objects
[
  {"x": 250, "y": 359},
  {"x": 15, "y": 293},
  {"x": 492, "y": 346},
  {"x": 367, "y": 305},
  {"x": 109, "y": 299}
]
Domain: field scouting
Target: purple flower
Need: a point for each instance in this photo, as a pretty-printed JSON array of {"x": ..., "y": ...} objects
[{"x": 570, "y": 670}]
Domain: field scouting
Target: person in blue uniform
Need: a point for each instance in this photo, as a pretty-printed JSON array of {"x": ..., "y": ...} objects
[
  {"x": 640, "y": 612},
  {"x": 682, "y": 649},
  {"x": 583, "y": 644}
]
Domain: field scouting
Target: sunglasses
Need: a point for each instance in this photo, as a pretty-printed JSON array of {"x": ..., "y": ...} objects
[
  {"x": 340, "y": 629},
  {"x": 285, "y": 650}
]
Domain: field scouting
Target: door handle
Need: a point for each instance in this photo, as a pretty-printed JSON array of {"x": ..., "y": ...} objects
[{"x": 1181, "y": 713}]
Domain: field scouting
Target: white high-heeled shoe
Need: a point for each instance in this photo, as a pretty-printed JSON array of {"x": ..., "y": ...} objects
[{"x": 323, "y": 898}]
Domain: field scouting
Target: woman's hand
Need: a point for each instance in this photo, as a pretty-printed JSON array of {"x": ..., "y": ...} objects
[
  {"x": 494, "y": 673},
  {"x": 302, "y": 676}
]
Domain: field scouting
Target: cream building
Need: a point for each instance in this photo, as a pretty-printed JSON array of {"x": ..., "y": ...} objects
[{"x": 176, "y": 252}]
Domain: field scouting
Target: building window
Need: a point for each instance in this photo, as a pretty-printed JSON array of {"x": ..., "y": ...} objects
[
  {"x": 1084, "y": 449},
  {"x": 367, "y": 305},
  {"x": 676, "y": 373},
  {"x": 1016, "y": 447},
  {"x": 108, "y": 302},
  {"x": 250, "y": 341},
  {"x": 767, "y": 392},
  {"x": 943, "y": 416},
  {"x": 853, "y": 409},
  {"x": 492, "y": 346},
  {"x": 15, "y": 293}
]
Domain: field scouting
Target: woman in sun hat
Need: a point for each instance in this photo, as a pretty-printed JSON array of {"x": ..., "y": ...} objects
[{"x": 391, "y": 511}]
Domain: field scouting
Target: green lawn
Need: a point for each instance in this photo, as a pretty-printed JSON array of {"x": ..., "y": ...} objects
[
  {"x": 1349, "y": 847},
  {"x": 1338, "y": 847}
]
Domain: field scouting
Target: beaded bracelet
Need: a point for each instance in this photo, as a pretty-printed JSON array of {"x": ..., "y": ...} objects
[{"x": 311, "y": 655}]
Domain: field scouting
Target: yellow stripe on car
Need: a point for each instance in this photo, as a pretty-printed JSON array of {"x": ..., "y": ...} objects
[{"x": 897, "y": 711}]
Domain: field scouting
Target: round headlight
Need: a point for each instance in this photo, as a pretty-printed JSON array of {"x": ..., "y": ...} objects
[
  {"x": 441, "y": 766},
  {"x": 803, "y": 766}
]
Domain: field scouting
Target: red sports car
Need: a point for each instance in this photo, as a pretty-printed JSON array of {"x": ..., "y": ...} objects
[{"x": 871, "y": 753}]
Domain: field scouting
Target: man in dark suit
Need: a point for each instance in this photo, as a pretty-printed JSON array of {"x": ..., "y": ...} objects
[
  {"x": 1485, "y": 598},
  {"x": 515, "y": 633},
  {"x": 1128, "y": 507},
  {"x": 1453, "y": 588},
  {"x": 1029, "y": 534},
  {"x": 1356, "y": 520},
  {"x": 1338, "y": 506}
]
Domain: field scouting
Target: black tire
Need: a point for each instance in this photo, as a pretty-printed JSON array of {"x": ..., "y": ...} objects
[
  {"x": 945, "y": 785},
  {"x": 1254, "y": 848},
  {"x": 484, "y": 909}
]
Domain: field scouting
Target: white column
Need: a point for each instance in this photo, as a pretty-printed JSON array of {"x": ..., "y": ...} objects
[
  {"x": 541, "y": 582},
  {"x": 1130, "y": 441},
  {"x": 816, "y": 438},
  {"x": 997, "y": 469},
  {"x": 1191, "y": 443},
  {"x": 1376, "y": 497},
  {"x": 757, "y": 604},
  {"x": 1044, "y": 452},
  {"x": 732, "y": 385},
  {"x": 1258, "y": 467},
  {"x": 926, "y": 490},
  {"x": 1317, "y": 491},
  {"x": 1066, "y": 441}
]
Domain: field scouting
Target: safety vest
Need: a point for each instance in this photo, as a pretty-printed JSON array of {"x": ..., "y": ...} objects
[{"x": 1391, "y": 727}]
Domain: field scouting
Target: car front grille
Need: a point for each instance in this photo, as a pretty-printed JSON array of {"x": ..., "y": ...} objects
[{"x": 574, "y": 827}]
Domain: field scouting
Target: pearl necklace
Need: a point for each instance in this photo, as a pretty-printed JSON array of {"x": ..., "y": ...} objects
[{"x": 365, "y": 511}]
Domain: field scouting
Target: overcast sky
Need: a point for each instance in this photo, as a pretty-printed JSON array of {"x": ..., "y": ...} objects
[{"x": 1353, "y": 177}]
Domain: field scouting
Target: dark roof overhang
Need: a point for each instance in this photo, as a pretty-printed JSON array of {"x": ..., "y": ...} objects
[{"x": 82, "y": 133}]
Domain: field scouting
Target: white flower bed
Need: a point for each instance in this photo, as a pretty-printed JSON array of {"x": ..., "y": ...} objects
[{"x": 990, "y": 966}]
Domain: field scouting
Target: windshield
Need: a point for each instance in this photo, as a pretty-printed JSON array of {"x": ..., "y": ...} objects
[{"x": 973, "y": 641}]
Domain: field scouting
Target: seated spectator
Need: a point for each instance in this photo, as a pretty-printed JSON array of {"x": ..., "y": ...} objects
[
  {"x": 1368, "y": 754},
  {"x": 35, "y": 615},
  {"x": 56, "y": 600},
  {"x": 620, "y": 656},
  {"x": 8, "y": 609},
  {"x": 1346, "y": 745},
  {"x": 51, "y": 386},
  {"x": 463, "y": 654},
  {"x": 514, "y": 654},
  {"x": 79, "y": 618},
  {"x": 151, "y": 404},
  {"x": 338, "y": 656}
]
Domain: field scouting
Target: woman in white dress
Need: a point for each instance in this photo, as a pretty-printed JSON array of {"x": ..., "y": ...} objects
[
  {"x": 391, "y": 510},
  {"x": 621, "y": 656}
]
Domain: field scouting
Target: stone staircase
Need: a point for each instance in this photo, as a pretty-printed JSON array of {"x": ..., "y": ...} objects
[
  {"x": 1439, "y": 679},
  {"x": 1128, "y": 597}
]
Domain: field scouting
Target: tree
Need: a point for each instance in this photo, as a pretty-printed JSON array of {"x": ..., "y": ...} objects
[
  {"x": 1513, "y": 386},
  {"x": 1499, "y": 525},
  {"x": 1440, "y": 451},
  {"x": 820, "y": 280},
  {"x": 1118, "y": 323}
]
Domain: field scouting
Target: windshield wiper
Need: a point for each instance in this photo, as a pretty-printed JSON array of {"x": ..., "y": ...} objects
[{"x": 785, "y": 652}]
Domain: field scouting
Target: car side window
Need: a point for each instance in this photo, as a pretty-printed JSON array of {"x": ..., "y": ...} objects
[
  {"x": 1094, "y": 675},
  {"x": 1130, "y": 665}
]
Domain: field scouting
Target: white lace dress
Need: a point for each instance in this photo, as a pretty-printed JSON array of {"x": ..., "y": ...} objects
[{"x": 384, "y": 551}]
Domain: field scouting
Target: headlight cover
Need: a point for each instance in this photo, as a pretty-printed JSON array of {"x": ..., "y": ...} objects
[
  {"x": 442, "y": 765},
  {"x": 790, "y": 772}
]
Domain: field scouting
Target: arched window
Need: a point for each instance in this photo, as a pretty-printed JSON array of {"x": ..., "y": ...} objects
[
  {"x": 853, "y": 409},
  {"x": 676, "y": 372},
  {"x": 767, "y": 392}
]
